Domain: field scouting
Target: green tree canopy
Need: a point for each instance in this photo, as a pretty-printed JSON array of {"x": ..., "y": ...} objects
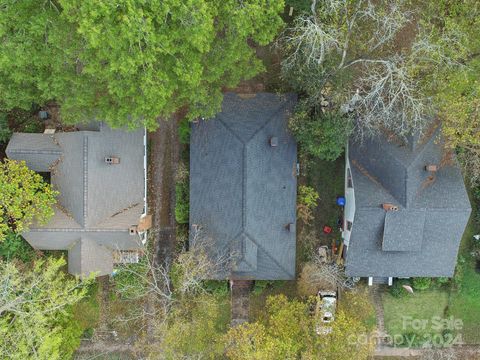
[
  {"x": 24, "y": 197},
  {"x": 128, "y": 62},
  {"x": 288, "y": 331},
  {"x": 194, "y": 329},
  {"x": 454, "y": 81},
  {"x": 35, "y": 311}
]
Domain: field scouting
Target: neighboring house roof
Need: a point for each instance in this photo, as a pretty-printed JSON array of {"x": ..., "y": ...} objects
[
  {"x": 39, "y": 151},
  {"x": 97, "y": 201},
  {"x": 86, "y": 254},
  {"x": 423, "y": 236},
  {"x": 243, "y": 190}
]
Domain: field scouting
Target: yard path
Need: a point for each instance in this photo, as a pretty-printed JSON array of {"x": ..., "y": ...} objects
[
  {"x": 461, "y": 352},
  {"x": 240, "y": 299},
  {"x": 164, "y": 156},
  {"x": 163, "y": 160},
  {"x": 378, "y": 304}
]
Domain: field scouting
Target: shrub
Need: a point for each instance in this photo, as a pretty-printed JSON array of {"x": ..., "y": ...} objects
[
  {"x": 442, "y": 280},
  {"x": 182, "y": 205},
  {"x": 130, "y": 279},
  {"x": 320, "y": 134},
  {"x": 307, "y": 201},
  {"x": 5, "y": 131},
  {"x": 397, "y": 290},
  {"x": 421, "y": 283},
  {"x": 476, "y": 207},
  {"x": 261, "y": 285},
  {"x": 184, "y": 131},
  {"x": 16, "y": 247},
  {"x": 307, "y": 196},
  {"x": 216, "y": 287}
]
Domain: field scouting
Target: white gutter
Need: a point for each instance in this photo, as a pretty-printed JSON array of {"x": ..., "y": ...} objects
[
  {"x": 143, "y": 235},
  {"x": 145, "y": 209}
]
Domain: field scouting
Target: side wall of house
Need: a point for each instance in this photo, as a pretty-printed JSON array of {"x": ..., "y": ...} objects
[{"x": 349, "y": 210}]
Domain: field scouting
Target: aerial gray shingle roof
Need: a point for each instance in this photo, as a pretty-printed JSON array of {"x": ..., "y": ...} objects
[
  {"x": 242, "y": 189},
  {"x": 97, "y": 202},
  {"x": 37, "y": 150},
  {"x": 423, "y": 236}
]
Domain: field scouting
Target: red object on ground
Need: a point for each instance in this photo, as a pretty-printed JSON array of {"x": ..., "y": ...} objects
[{"x": 327, "y": 229}]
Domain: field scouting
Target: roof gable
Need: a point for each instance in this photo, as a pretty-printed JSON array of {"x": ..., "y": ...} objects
[
  {"x": 39, "y": 151},
  {"x": 422, "y": 237},
  {"x": 399, "y": 167},
  {"x": 96, "y": 200},
  {"x": 243, "y": 190}
]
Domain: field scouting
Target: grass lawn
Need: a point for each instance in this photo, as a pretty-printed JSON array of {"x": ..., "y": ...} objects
[
  {"x": 464, "y": 301},
  {"x": 461, "y": 299},
  {"x": 422, "y": 305}
]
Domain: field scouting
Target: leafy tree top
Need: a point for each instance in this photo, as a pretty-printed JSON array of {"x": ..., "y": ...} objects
[
  {"x": 24, "y": 197},
  {"x": 288, "y": 331},
  {"x": 129, "y": 62},
  {"x": 35, "y": 310}
]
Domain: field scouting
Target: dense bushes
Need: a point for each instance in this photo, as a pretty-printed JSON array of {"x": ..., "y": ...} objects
[
  {"x": 306, "y": 203},
  {"x": 320, "y": 134},
  {"x": 476, "y": 206},
  {"x": 182, "y": 206},
  {"x": 418, "y": 283},
  {"x": 421, "y": 283},
  {"x": 131, "y": 279},
  {"x": 184, "y": 131},
  {"x": 5, "y": 131},
  {"x": 261, "y": 285},
  {"x": 397, "y": 290},
  {"x": 216, "y": 287},
  {"x": 15, "y": 247}
]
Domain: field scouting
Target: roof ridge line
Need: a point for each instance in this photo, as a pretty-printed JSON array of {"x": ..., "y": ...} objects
[
  {"x": 85, "y": 179},
  {"x": 228, "y": 128},
  {"x": 363, "y": 171},
  {"x": 82, "y": 229},
  {"x": 280, "y": 109},
  {"x": 244, "y": 188},
  {"x": 33, "y": 151},
  {"x": 252, "y": 239}
]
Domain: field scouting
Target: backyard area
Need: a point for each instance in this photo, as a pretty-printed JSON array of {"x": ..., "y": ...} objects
[
  {"x": 455, "y": 299},
  {"x": 327, "y": 178}
]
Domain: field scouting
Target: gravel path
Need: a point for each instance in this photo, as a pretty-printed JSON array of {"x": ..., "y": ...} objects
[{"x": 378, "y": 304}]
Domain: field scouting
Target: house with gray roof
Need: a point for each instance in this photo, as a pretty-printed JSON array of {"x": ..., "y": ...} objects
[
  {"x": 243, "y": 185},
  {"x": 406, "y": 208},
  {"x": 100, "y": 213}
]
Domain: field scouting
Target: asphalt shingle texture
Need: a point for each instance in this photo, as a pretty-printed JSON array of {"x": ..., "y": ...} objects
[
  {"x": 97, "y": 202},
  {"x": 420, "y": 239},
  {"x": 242, "y": 190}
]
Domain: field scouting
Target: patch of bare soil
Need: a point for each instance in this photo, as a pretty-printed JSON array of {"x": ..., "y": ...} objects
[
  {"x": 164, "y": 157},
  {"x": 240, "y": 295}
]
